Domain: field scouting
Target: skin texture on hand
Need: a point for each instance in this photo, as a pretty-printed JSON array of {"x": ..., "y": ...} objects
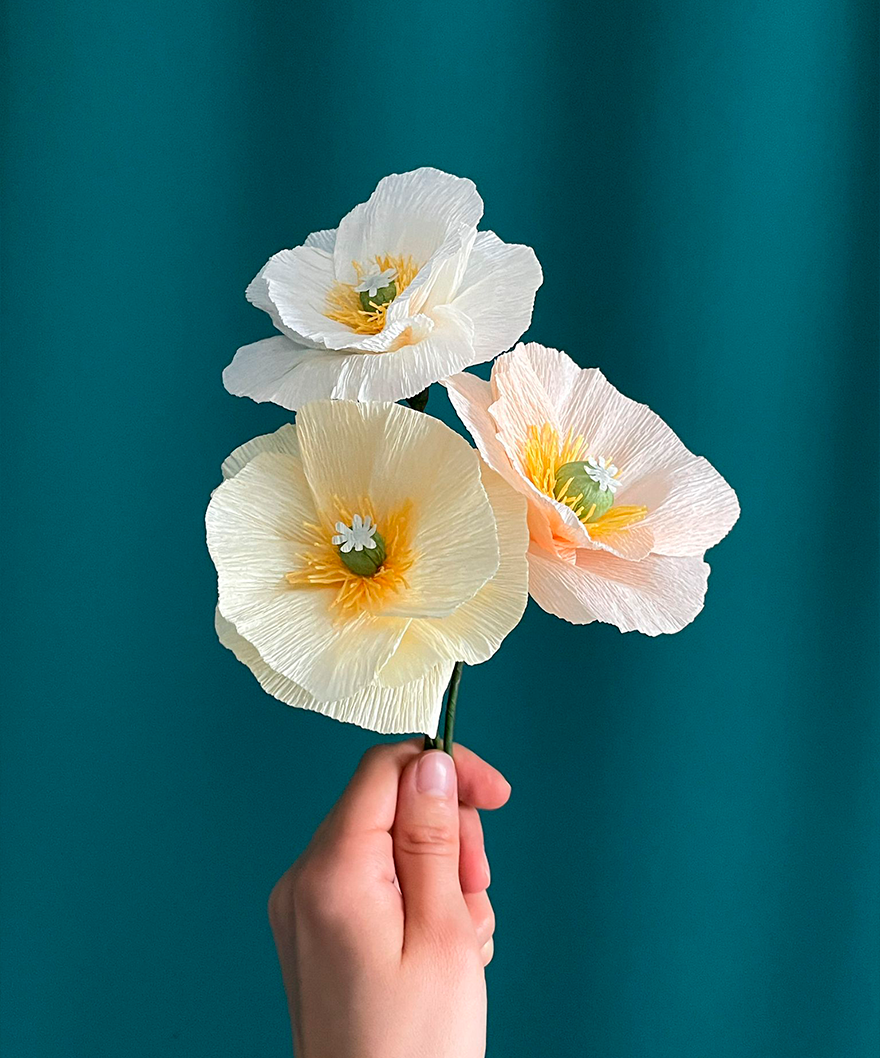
[{"x": 383, "y": 925}]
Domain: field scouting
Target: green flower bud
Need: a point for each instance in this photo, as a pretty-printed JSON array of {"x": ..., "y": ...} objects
[
  {"x": 368, "y": 562},
  {"x": 574, "y": 479},
  {"x": 382, "y": 296}
]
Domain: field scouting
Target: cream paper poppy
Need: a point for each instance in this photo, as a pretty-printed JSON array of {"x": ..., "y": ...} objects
[
  {"x": 620, "y": 512},
  {"x": 402, "y": 293},
  {"x": 378, "y": 650}
]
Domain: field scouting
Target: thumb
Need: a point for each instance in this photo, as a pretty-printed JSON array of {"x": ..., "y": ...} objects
[{"x": 425, "y": 836}]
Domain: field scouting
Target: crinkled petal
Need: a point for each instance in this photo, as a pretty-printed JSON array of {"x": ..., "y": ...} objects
[
  {"x": 282, "y": 440},
  {"x": 290, "y": 374},
  {"x": 498, "y": 291},
  {"x": 472, "y": 397},
  {"x": 690, "y": 506},
  {"x": 439, "y": 279},
  {"x": 660, "y": 594},
  {"x": 409, "y": 214},
  {"x": 257, "y": 532},
  {"x": 633, "y": 544},
  {"x": 286, "y": 373},
  {"x": 399, "y": 457},
  {"x": 520, "y": 405},
  {"x": 297, "y": 283},
  {"x": 401, "y": 709},
  {"x": 477, "y": 628}
]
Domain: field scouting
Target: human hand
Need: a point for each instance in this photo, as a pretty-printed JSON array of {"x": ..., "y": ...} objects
[{"x": 383, "y": 925}]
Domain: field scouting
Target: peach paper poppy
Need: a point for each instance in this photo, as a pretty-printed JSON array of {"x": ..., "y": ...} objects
[{"x": 620, "y": 512}]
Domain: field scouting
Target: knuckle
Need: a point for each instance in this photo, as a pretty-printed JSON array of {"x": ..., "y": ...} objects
[
  {"x": 321, "y": 894},
  {"x": 426, "y": 839},
  {"x": 280, "y": 900}
]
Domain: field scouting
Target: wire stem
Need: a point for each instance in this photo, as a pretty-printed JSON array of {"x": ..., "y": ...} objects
[{"x": 451, "y": 702}]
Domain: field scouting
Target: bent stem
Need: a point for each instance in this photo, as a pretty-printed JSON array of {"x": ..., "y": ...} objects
[{"x": 445, "y": 742}]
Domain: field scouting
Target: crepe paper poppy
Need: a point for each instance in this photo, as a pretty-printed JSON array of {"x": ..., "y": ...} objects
[
  {"x": 366, "y": 634},
  {"x": 404, "y": 292},
  {"x": 620, "y": 512}
]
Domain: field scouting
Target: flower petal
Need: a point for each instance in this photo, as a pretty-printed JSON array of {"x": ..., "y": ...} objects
[
  {"x": 690, "y": 506},
  {"x": 402, "y": 709},
  {"x": 257, "y": 533},
  {"x": 297, "y": 283},
  {"x": 438, "y": 279},
  {"x": 498, "y": 292},
  {"x": 477, "y": 628},
  {"x": 472, "y": 398},
  {"x": 660, "y": 594},
  {"x": 282, "y": 440},
  {"x": 409, "y": 214},
  {"x": 290, "y": 374},
  {"x": 257, "y": 292},
  {"x": 399, "y": 457}
]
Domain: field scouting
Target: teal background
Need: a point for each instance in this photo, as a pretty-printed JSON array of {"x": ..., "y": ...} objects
[{"x": 688, "y": 867}]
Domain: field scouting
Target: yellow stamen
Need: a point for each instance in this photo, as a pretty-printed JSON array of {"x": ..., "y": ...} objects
[
  {"x": 544, "y": 452},
  {"x": 322, "y": 566},
  {"x": 344, "y": 304},
  {"x": 615, "y": 519}
]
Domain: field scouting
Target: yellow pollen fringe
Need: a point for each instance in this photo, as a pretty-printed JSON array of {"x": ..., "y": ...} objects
[
  {"x": 324, "y": 568},
  {"x": 544, "y": 452},
  {"x": 344, "y": 304}
]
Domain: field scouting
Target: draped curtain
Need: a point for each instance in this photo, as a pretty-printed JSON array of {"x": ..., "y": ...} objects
[{"x": 688, "y": 865}]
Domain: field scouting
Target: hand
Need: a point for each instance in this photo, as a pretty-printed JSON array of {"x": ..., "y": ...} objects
[{"x": 383, "y": 925}]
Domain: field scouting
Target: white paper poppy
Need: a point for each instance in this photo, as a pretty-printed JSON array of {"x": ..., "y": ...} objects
[{"x": 405, "y": 292}]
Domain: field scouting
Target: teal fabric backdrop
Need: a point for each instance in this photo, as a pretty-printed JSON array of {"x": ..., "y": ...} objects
[{"x": 688, "y": 866}]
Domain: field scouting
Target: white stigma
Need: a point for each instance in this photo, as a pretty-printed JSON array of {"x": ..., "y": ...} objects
[
  {"x": 372, "y": 284},
  {"x": 355, "y": 537},
  {"x": 604, "y": 473}
]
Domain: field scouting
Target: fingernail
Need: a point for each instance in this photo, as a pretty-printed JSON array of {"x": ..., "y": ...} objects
[{"x": 435, "y": 774}]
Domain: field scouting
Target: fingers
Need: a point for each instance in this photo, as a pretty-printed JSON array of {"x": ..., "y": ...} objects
[
  {"x": 483, "y": 920},
  {"x": 473, "y": 865},
  {"x": 426, "y": 846},
  {"x": 370, "y": 800},
  {"x": 479, "y": 784}
]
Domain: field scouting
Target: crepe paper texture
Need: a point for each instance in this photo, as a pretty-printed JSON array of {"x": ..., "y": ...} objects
[
  {"x": 375, "y": 649},
  {"x": 406, "y": 273},
  {"x": 620, "y": 512}
]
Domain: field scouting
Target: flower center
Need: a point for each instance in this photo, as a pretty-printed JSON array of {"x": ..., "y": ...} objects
[
  {"x": 565, "y": 471},
  {"x": 362, "y": 306},
  {"x": 366, "y": 568},
  {"x": 377, "y": 290},
  {"x": 361, "y": 547}
]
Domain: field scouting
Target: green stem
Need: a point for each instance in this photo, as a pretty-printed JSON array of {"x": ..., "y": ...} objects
[
  {"x": 444, "y": 741},
  {"x": 451, "y": 702}
]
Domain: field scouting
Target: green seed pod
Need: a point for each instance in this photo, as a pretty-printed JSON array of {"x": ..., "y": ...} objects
[
  {"x": 382, "y": 296},
  {"x": 368, "y": 562},
  {"x": 581, "y": 484}
]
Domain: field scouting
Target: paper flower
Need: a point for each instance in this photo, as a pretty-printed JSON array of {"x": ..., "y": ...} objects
[
  {"x": 370, "y": 634},
  {"x": 620, "y": 512},
  {"x": 402, "y": 293}
]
